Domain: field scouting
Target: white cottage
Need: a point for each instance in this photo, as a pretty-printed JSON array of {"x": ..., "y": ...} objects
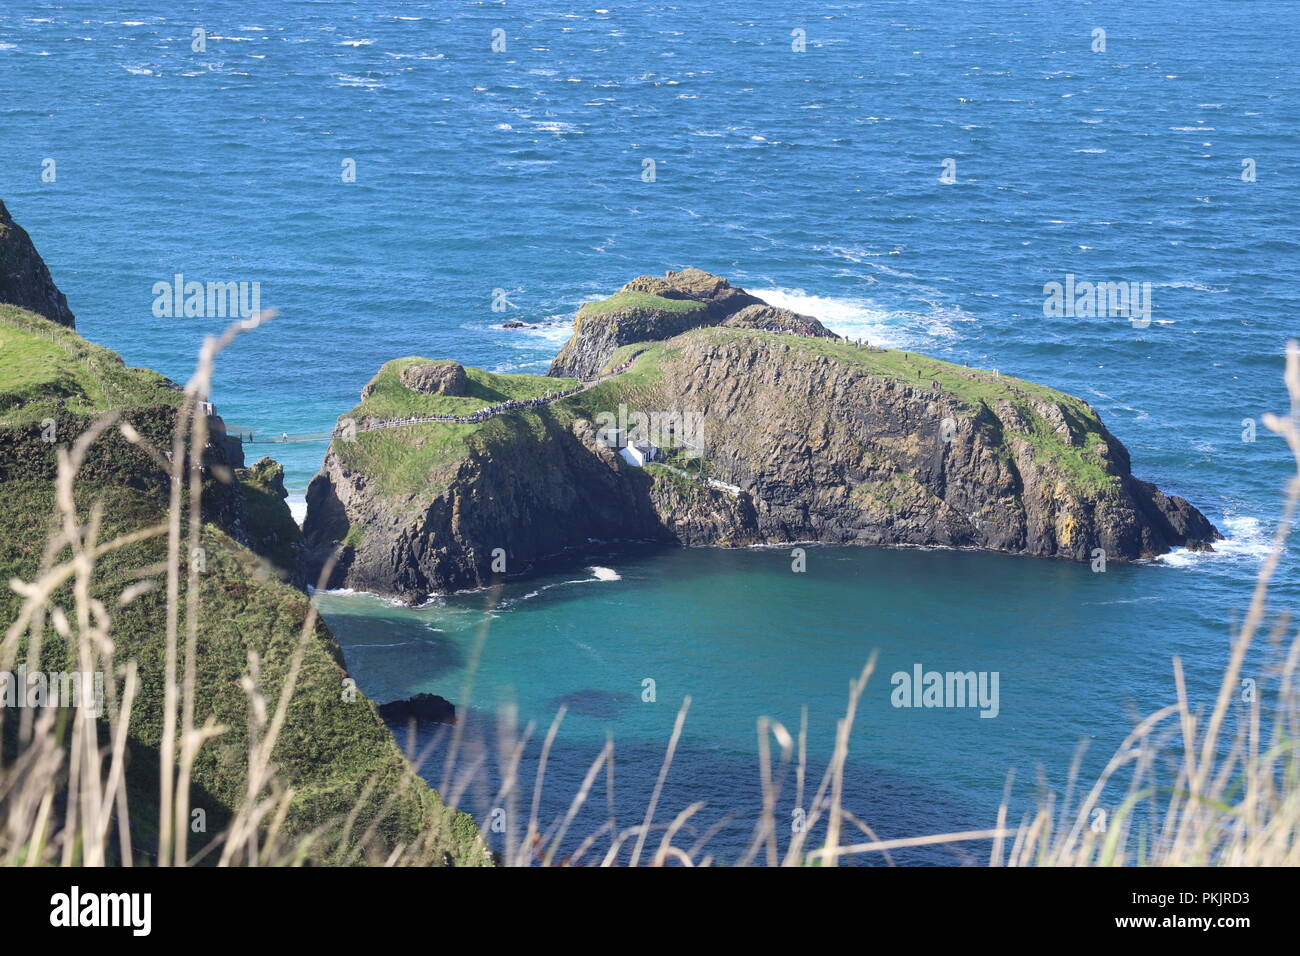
[{"x": 639, "y": 452}]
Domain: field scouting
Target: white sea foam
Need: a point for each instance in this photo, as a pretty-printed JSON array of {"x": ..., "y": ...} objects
[
  {"x": 598, "y": 574},
  {"x": 1113, "y": 405},
  {"x": 863, "y": 319},
  {"x": 298, "y": 508},
  {"x": 1245, "y": 538},
  {"x": 1138, "y": 600},
  {"x": 1187, "y": 284},
  {"x": 365, "y": 82},
  {"x": 556, "y": 126},
  {"x": 554, "y": 330},
  {"x": 369, "y": 595}
]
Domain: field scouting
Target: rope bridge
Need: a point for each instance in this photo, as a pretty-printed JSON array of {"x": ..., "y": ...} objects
[{"x": 251, "y": 437}]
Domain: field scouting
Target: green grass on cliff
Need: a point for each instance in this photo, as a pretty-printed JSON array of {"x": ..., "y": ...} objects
[
  {"x": 333, "y": 743},
  {"x": 628, "y": 301},
  {"x": 389, "y": 398},
  {"x": 277, "y": 536},
  {"x": 633, "y": 387},
  {"x": 44, "y": 366},
  {"x": 420, "y": 457}
]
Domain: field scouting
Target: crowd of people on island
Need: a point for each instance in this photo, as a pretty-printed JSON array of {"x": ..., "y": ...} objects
[{"x": 483, "y": 414}]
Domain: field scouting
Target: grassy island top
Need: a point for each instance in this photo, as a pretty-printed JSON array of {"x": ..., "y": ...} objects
[
  {"x": 403, "y": 459},
  {"x": 631, "y": 300},
  {"x": 43, "y": 364},
  {"x": 387, "y": 397},
  {"x": 970, "y": 385}
]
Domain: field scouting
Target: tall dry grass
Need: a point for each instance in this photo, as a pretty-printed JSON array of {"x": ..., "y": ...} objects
[{"x": 64, "y": 799}]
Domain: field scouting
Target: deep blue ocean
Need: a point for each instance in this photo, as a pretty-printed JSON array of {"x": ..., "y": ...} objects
[{"x": 811, "y": 177}]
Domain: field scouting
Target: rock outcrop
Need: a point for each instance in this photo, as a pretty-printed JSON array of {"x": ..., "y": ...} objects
[
  {"x": 719, "y": 296},
  {"x": 24, "y": 279},
  {"x": 263, "y": 523},
  {"x": 647, "y": 309},
  {"x": 805, "y": 438},
  {"x": 435, "y": 378},
  {"x": 774, "y": 319}
]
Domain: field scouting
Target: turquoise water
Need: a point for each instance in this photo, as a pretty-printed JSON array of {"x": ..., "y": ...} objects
[
  {"x": 1079, "y": 656},
  {"x": 811, "y": 178}
]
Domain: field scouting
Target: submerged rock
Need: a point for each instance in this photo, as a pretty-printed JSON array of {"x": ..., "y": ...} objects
[
  {"x": 426, "y": 707},
  {"x": 598, "y": 704}
]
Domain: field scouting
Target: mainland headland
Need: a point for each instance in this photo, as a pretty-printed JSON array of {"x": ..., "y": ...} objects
[
  {"x": 748, "y": 425},
  {"x": 353, "y": 795}
]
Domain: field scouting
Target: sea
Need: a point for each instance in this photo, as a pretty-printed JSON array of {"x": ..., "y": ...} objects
[{"x": 405, "y": 178}]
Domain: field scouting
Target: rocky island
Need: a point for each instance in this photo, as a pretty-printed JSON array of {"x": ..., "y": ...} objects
[{"x": 804, "y": 437}]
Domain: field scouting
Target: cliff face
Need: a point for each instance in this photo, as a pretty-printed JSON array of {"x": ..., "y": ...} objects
[
  {"x": 804, "y": 439},
  {"x": 334, "y": 750},
  {"x": 24, "y": 279},
  {"x": 852, "y": 446},
  {"x": 530, "y": 491},
  {"x": 654, "y": 308}
]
